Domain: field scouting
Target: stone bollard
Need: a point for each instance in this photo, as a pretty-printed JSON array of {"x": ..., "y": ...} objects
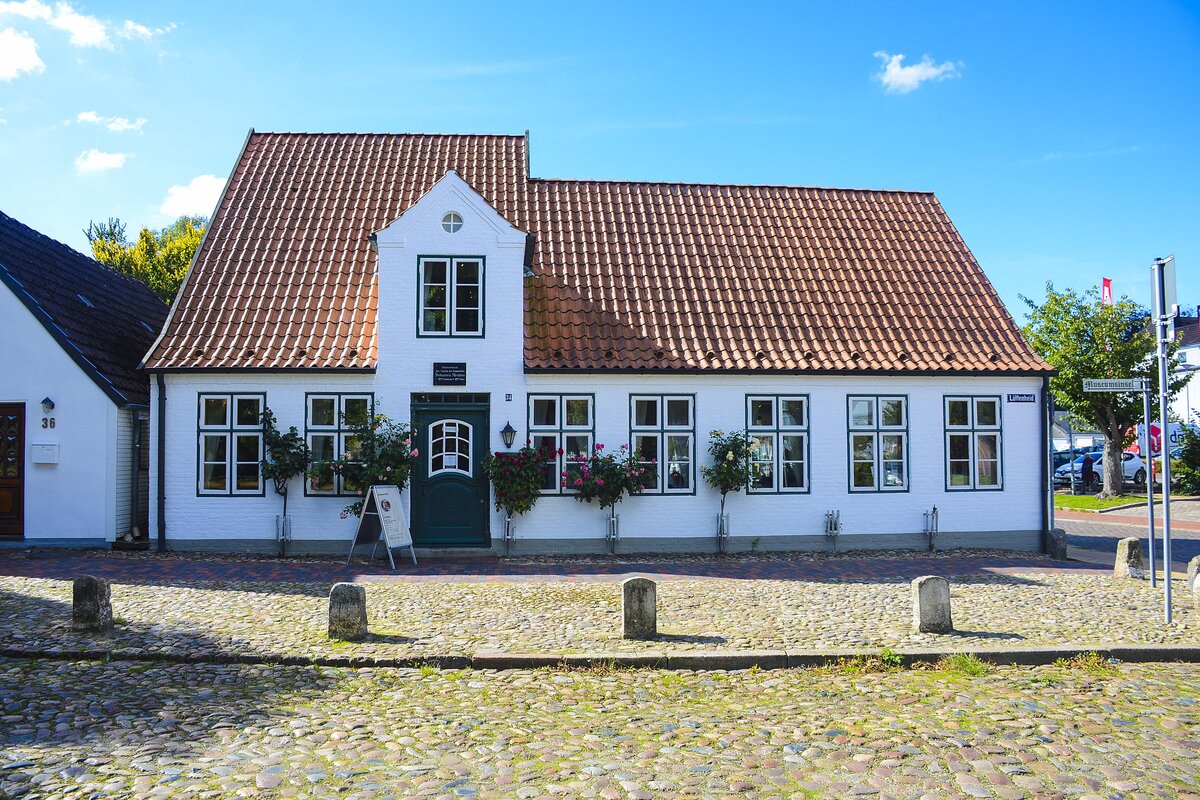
[
  {"x": 1193, "y": 569},
  {"x": 1129, "y": 559},
  {"x": 91, "y": 604},
  {"x": 348, "y": 612},
  {"x": 1056, "y": 544},
  {"x": 931, "y": 605},
  {"x": 639, "y": 607},
  {"x": 1196, "y": 600}
]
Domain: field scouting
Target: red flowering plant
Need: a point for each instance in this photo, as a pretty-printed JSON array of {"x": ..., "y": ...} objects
[
  {"x": 606, "y": 477},
  {"x": 378, "y": 451},
  {"x": 517, "y": 478}
]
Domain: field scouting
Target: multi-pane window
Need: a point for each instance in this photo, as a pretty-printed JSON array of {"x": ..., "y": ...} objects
[
  {"x": 663, "y": 433},
  {"x": 451, "y": 294},
  {"x": 329, "y": 420},
  {"x": 230, "y": 443},
  {"x": 450, "y": 447},
  {"x": 973, "y": 443},
  {"x": 878, "y": 443},
  {"x": 563, "y": 422},
  {"x": 778, "y": 428}
]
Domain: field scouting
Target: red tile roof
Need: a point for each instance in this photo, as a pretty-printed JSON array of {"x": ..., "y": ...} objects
[{"x": 638, "y": 276}]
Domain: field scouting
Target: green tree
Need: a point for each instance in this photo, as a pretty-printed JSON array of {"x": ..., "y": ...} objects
[
  {"x": 158, "y": 259},
  {"x": 1083, "y": 339}
]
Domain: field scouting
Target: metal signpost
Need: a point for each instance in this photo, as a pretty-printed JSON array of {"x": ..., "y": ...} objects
[
  {"x": 1135, "y": 385},
  {"x": 1165, "y": 312}
]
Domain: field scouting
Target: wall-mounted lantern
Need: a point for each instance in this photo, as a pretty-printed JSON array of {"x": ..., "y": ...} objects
[
  {"x": 508, "y": 433},
  {"x": 47, "y": 405}
]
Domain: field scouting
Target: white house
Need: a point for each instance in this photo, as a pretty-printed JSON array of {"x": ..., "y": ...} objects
[
  {"x": 429, "y": 276},
  {"x": 74, "y": 411}
]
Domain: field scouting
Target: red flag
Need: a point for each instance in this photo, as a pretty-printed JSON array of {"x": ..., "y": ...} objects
[{"x": 1106, "y": 292}]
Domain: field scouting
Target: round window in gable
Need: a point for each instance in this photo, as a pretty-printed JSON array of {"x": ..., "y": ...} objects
[{"x": 452, "y": 222}]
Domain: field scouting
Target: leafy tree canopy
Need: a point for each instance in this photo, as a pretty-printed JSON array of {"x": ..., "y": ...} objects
[
  {"x": 158, "y": 259},
  {"x": 1083, "y": 339}
]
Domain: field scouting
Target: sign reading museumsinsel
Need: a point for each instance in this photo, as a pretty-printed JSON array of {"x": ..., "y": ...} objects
[{"x": 1114, "y": 384}]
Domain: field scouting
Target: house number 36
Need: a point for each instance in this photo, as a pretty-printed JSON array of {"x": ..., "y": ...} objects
[{"x": 47, "y": 422}]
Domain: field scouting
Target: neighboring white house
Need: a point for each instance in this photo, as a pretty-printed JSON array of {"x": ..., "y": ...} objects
[
  {"x": 74, "y": 413},
  {"x": 430, "y": 277},
  {"x": 1186, "y": 403}
]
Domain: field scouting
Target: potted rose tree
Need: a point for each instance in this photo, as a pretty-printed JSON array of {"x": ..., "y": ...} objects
[
  {"x": 378, "y": 450},
  {"x": 607, "y": 478},
  {"x": 285, "y": 456},
  {"x": 516, "y": 479},
  {"x": 731, "y": 471}
]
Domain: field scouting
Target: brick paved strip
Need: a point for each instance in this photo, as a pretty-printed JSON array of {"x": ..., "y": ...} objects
[{"x": 1126, "y": 519}]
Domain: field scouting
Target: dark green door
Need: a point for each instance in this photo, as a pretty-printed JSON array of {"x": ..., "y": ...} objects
[{"x": 449, "y": 490}]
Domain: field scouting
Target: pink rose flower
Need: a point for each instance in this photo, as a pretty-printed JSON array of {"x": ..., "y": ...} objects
[
  {"x": 414, "y": 453},
  {"x": 600, "y": 481},
  {"x": 579, "y": 481}
]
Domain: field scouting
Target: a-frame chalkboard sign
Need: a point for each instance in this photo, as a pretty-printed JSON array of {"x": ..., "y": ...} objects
[{"x": 382, "y": 518}]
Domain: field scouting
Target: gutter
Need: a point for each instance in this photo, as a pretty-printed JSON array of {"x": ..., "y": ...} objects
[
  {"x": 162, "y": 454},
  {"x": 1047, "y": 488}
]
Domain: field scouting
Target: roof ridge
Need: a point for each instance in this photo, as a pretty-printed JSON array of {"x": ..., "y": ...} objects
[
  {"x": 73, "y": 253},
  {"x": 389, "y": 133},
  {"x": 711, "y": 185}
]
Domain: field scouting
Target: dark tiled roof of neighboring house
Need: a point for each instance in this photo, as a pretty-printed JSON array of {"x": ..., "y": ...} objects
[
  {"x": 103, "y": 320},
  {"x": 627, "y": 275}
]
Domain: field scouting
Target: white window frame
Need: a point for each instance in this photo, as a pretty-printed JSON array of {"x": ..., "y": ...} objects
[
  {"x": 665, "y": 433},
  {"x": 469, "y": 471},
  {"x": 340, "y": 432},
  {"x": 775, "y": 433},
  {"x": 877, "y": 432},
  {"x": 452, "y": 284},
  {"x": 559, "y": 431},
  {"x": 230, "y": 430},
  {"x": 973, "y": 430}
]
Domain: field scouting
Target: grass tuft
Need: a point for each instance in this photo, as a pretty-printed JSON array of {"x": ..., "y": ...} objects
[
  {"x": 1091, "y": 662},
  {"x": 964, "y": 664}
]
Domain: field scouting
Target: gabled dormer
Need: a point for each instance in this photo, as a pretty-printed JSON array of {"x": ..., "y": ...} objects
[{"x": 450, "y": 279}]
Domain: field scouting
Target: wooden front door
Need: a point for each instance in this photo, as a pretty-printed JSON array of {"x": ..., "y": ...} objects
[
  {"x": 12, "y": 470},
  {"x": 449, "y": 490}
]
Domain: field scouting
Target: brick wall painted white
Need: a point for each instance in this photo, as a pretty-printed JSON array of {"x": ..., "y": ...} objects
[
  {"x": 76, "y": 498},
  {"x": 495, "y": 367}
]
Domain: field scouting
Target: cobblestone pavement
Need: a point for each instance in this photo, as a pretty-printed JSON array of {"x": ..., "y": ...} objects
[
  {"x": 174, "y": 731},
  {"x": 279, "y": 620}
]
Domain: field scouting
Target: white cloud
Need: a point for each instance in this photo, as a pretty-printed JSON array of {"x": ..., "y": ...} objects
[
  {"x": 18, "y": 53},
  {"x": 197, "y": 198},
  {"x": 134, "y": 30},
  {"x": 115, "y": 124},
  {"x": 1079, "y": 155},
  {"x": 85, "y": 30},
  {"x": 900, "y": 79},
  {"x": 97, "y": 161}
]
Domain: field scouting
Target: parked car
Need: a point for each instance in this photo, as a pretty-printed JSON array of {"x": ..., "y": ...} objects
[
  {"x": 1133, "y": 471},
  {"x": 1063, "y": 456}
]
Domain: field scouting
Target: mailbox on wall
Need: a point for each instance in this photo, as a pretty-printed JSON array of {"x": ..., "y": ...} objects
[{"x": 44, "y": 454}]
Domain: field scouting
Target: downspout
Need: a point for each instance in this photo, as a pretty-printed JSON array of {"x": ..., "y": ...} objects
[
  {"x": 1047, "y": 489},
  {"x": 162, "y": 454}
]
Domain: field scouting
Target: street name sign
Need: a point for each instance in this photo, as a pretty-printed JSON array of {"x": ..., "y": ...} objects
[{"x": 1114, "y": 384}]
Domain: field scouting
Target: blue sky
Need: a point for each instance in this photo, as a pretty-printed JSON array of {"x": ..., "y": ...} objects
[{"x": 1062, "y": 138}]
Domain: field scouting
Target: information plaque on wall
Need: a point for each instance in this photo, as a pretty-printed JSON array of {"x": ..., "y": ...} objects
[{"x": 449, "y": 373}]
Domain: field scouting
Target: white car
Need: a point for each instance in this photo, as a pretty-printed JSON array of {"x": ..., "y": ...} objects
[{"x": 1133, "y": 470}]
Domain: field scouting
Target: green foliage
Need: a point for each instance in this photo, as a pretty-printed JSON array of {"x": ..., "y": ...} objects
[
  {"x": 1091, "y": 662},
  {"x": 1084, "y": 339},
  {"x": 731, "y": 470},
  {"x": 965, "y": 664},
  {"x": 285, "y": 455},
  {"x": 606, "y": 477},
  {"x": 378, "y": 450},
  {"x": 891, "y": 658},
  {"x": 159, "y": 259},
  {"x": 1185, "y": 470},
  {"x": 517, "y": 478}
]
